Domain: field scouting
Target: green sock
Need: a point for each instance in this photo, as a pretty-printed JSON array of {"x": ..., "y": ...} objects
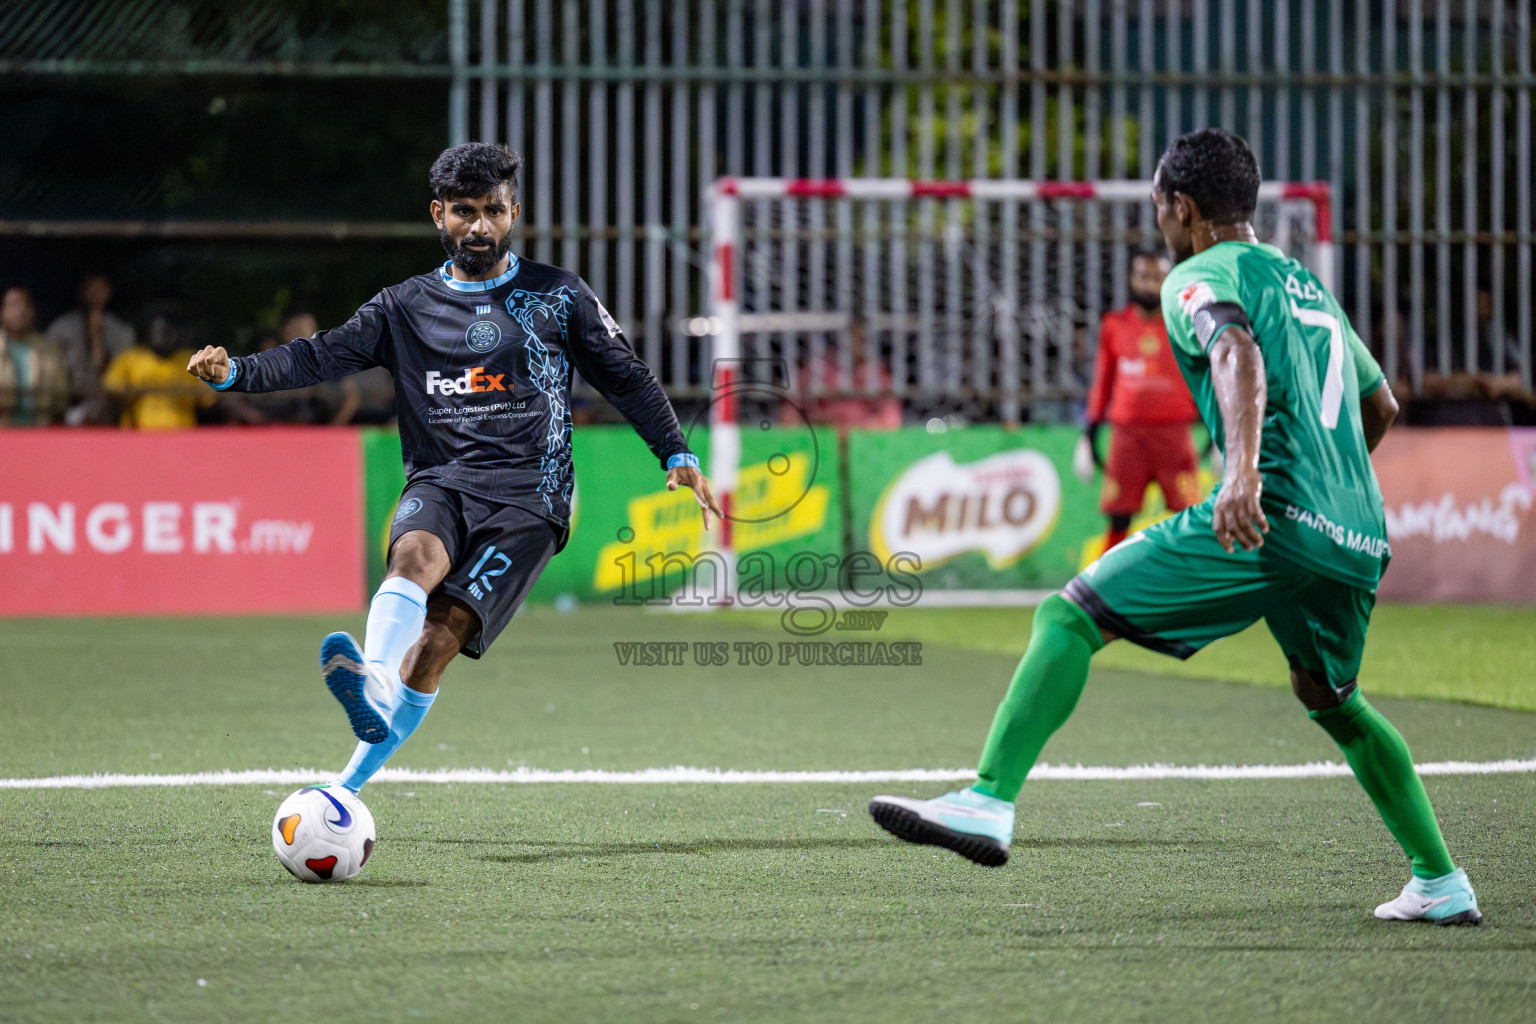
[
  {"x": 1380, "y": 760},
  {"x": 1043, "y": 693}
]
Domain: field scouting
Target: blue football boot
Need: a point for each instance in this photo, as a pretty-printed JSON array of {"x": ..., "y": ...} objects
[{"x": 363, "y": 692}]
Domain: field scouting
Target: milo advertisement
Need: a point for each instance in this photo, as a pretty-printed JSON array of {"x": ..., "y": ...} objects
[{"x": 981, "y": 507}]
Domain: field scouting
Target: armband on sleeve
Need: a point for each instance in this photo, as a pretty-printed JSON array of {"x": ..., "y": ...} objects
[{"x": 1211, "y": 319}]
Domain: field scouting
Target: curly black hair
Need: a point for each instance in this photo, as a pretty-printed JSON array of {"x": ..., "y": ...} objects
[
  {"x": 1216, "y": 169},
  {"x": 475, "y": 169}
]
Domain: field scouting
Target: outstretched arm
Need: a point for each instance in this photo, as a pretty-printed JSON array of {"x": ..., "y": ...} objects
[
  {"x": 352, "y": 347},
  {"x": 608, "y": 361},
  {"x": 1237, "y": 375}
]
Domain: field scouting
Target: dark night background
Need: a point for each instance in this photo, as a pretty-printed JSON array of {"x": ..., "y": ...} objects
[{"x": 239, "y": 148}]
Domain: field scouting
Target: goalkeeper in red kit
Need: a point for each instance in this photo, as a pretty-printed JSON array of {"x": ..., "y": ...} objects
[{"x": 1137, "y": 388}]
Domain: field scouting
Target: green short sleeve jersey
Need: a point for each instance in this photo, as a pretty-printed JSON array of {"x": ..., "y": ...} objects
[{"x": 1320, "y": 492}]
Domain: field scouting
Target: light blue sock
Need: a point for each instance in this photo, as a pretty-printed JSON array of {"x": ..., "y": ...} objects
[
  {"x": 405, "y": 714},
  {"x": 395, "y": 618}
]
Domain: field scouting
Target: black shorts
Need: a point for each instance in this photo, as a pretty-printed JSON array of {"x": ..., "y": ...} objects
[{"x": 497, "y": 551}]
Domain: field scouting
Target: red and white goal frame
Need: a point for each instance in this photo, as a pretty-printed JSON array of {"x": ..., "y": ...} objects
[{"x": 723, "y": 204}]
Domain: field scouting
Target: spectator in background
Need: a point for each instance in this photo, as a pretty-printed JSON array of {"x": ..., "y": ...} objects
[
  {"x": 90, "y": 338},
  {"x": 1480, "y": 382},
  {"x": 151, "y": 382},
  {"x": 332, "y": 402},
  {"x": 362, "y": 398},
  {"x": 1506, "y": 384},
  {"x": 861, "y": 399},
  {"x": 1138, "y": 389},
  {"x": 34, "y": 381},
  {"x": 1487, "y": 346}
]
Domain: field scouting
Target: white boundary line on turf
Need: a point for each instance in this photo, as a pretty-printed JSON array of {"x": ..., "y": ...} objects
[{"x": 673, "y": 776}]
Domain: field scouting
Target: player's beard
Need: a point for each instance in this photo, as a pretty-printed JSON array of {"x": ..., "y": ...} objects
[
  {"x": 1146, "y": 301},
  {"x": 471, "y": 262}
]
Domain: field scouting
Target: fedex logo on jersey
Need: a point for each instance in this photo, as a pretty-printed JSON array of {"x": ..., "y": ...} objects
[{"x": 473, "y": 381}]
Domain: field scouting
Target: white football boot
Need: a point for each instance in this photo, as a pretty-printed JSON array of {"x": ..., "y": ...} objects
[
  {"x": 974, "y": 825},
  {"x": 1448, "y": 899}
]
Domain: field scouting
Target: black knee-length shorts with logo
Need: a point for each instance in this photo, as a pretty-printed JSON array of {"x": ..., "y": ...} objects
[{"x": 497, "y": 551}]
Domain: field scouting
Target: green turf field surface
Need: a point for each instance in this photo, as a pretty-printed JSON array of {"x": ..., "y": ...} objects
[
  {"x": 1478, "y": 654},
  {"x": 1229, "y": 900}
]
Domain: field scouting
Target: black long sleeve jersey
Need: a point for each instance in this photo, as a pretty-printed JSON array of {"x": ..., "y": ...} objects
[{"x": 483, "y": 378}]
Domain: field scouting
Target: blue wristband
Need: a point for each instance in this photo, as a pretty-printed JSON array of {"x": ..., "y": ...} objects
[
  {"x": 683, "y": 459},
  {"x": 234, "y": 371}
]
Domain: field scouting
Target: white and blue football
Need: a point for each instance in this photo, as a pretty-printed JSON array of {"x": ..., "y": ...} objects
[{"x": 323, "y": 834}]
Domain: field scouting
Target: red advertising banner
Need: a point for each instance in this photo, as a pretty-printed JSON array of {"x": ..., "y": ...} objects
[
  {"x": 180, "y": 522},
  {"x": 1461, "y": 513}
]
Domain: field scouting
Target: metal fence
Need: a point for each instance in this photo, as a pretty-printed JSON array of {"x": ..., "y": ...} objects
[
  {"x": 1418, "y": 114},
  {"x": 862, "y": 288}
]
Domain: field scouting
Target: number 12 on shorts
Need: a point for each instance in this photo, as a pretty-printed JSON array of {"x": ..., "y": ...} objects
[{"x": 480, "y": 582}]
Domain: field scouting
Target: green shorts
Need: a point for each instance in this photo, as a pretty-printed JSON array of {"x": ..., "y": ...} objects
[{"x": 1172, "y": 588}]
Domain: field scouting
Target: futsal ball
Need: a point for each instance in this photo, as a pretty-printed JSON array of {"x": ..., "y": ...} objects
[{"x": 323, "y": 834}]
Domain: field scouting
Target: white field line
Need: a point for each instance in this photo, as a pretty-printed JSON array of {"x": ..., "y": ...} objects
[{"x": 1041, "y": 772}]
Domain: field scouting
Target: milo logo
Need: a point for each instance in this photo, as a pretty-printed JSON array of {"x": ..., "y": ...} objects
[{"x": 1002, "y": 506}]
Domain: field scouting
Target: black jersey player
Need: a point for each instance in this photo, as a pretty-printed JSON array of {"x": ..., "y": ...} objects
[{"x": 481, "y": 350}]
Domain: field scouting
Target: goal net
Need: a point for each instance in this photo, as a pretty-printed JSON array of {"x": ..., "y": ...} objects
[
  {"x": 969, "y": 300},
  {"x": 875, "y": 302}
]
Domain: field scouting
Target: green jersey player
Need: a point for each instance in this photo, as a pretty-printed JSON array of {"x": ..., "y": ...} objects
[{"x": 1295, "y": 535}]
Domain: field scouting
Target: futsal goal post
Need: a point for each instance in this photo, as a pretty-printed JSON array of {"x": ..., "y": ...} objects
[{"x": 874, "y": 300}]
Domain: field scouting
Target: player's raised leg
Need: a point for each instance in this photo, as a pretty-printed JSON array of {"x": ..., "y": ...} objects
[
  {"x": 363, "y": 695},
  {"x": 366, "y": 680},
  {"x": 449, "y": 625},
  {"x": 500, "y": 551}
]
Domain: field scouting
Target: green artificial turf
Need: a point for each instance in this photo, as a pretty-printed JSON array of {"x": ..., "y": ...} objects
[
  {"x": 179, "y": 695},
  {"x": 1125, "y": 901},
  {"x": 1475, "y": 653},
  {"x": 1228, "y": 901}
]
